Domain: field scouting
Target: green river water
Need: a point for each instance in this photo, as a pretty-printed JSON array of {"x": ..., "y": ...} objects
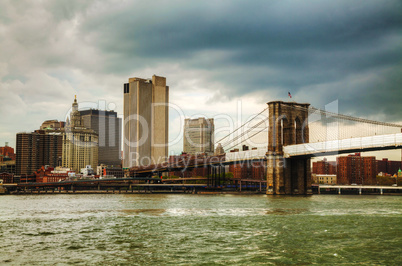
[{"x": 167, "y": 229}]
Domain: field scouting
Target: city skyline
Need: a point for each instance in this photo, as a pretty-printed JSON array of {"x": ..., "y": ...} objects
[
  {"x": 341, "y": 51},
  {"x": 216, "y": 132}
]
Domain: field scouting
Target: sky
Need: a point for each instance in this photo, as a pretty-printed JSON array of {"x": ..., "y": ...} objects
[{"x": 220, "y": 58}]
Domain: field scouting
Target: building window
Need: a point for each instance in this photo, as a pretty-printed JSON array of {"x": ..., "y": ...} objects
[{"x": 126, "y": 88}]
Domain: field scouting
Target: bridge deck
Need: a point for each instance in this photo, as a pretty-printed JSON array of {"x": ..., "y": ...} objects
[{"x": 372, "y": 143}]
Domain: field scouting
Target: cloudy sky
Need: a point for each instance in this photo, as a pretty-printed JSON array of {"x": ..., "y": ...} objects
[{"x": 218, "y": 56}]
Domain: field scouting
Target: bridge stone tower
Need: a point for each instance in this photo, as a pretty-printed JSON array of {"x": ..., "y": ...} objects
[{"x": 288, "y": 124}]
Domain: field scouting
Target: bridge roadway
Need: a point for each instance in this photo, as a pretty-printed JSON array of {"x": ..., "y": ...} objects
[
  {"x": 220, "y": 160},
  {"x": 317, "y": 149},
  {"x": 127, "y": 183},
  {"x": 333, "y": 147},
  {"x": 87, "y": 182}
]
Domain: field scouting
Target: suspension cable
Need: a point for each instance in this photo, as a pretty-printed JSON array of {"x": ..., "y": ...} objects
[
  {"x": 245, "y": 132},
  {"x": 249, "y": 137},
  {"x": 241, "y": 126}
]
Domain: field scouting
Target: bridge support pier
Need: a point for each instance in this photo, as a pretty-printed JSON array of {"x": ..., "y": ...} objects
[
  {"x": 288, "y": 125},
  {"x": 287, "y": 176}
]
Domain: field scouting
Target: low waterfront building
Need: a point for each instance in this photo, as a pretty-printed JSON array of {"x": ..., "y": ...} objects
[
  {"x": 8, "y": 167},
  {"x": 25, "y": 178},
  {"x": 7, "y": 178},
  {"x": 323, "y": 179},
  {"x": 88, "y": 170},
  {"x": 113, "y": 171},
  {"x": 99, "y": 169},
  {"x": 48, "y": 174}
]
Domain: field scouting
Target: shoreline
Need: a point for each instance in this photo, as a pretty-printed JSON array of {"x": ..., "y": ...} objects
[{"x": 89, "y": 192}]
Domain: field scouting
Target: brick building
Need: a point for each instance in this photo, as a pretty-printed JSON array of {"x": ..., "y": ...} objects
[
  {"x": 25, "y": 178},
  {"x": 7, "y": 167},
  {"x": 324, "y": 167},
  {"x": 189, "y": 160},
  {"x": 354, "y": 169},
  {"x": 248, "y": 170},
  {"x": 37, "y": 149},
  {"x": 190, "y": 172},
  {"x": 369, "y": 171},
  {"x": 388, "y": 167},
  {"x": 7, "y": 152},
  {"x": 240, "y": 170},
  {"x": 47, "y": 174},
  {"x": 7, "y": 178},
  {"x": 113, "y": 171}
]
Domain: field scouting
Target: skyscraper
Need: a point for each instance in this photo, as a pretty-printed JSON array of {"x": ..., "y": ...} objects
[
  {"x": 146, "y": 118},
  {"x": 80, "y": 144},
  {"x": 198, "y": 136},
  {"x": 108, "y": 127}
]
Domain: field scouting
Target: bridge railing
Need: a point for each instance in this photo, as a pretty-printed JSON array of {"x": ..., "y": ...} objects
[{"x": 361, "y": 143}]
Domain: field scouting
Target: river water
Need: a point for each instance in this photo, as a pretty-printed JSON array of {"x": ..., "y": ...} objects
[{"x": 200, "y": 229}]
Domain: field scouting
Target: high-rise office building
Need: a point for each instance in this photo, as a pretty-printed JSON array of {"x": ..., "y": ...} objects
[
  {"x": 108, "y": 127},
  {"x": 80, "y": 144},
  {"x": 36, "y": 149},
  {"x": 146, "y": 118},
  {"x": 198, "y": 136}
]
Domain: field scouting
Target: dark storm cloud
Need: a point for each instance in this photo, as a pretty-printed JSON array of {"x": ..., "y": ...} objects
[
  {"x": 319, "y": 50},
  {"x": 346, "y": 50}
]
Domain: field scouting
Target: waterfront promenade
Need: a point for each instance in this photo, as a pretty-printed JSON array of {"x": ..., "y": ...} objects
[{"x": 360, "y": 189}]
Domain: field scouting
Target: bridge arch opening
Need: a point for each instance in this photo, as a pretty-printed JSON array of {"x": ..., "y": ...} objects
[
  {"x": 285, "y": 131},
  {"x": 298, "y": 131}
]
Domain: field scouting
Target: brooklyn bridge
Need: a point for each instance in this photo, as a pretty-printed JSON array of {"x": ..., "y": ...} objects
[
  {"x": 293, "y": 133},
  {"x": 296, "y": 133}
]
